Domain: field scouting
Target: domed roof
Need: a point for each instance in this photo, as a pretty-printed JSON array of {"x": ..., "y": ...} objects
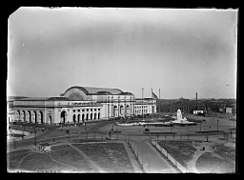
[
  {"x": 96, "y": 91},
  {"x": 82, "y": 93}
]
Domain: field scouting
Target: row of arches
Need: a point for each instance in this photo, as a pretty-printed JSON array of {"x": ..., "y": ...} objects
[
  {"x": 83, "y": 117},
  {"x": 31, "y": 116},
  {"x": 122, "y": 110},
  {"x": 80, "y": 117}
]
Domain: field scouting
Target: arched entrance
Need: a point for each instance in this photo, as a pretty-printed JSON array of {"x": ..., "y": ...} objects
[
  {"x": 35, "y": 117},
  {"x": 98, "y": 116},
  {"x": 18, "y": 115},
  {"x": 91, "y": 116},
  {"x": 50, "y": 119},
  {"x": 115, "y": 110},
  {"x": 63, "y": 116},
  {"x": 74, "y": 118},
  {"x": 83, "y": 117},
  {"x": 41, "y": 117},
  {"x": 87, "y": 115},
  {"x": 95, "y": 115},
  {"x": 78, "y": 118},
  {"x": 29, "y": 113},
  {"x": 24, "y": 116},
  {"x": 127, "y": 110},
  {"x": 121, "y": 110}
]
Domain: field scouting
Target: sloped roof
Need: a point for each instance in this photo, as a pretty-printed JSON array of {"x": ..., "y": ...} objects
[
  {"x": 44, "y": 99},
  {"x": 12, "y": 98},
  {"x": 33, "y": 99}
]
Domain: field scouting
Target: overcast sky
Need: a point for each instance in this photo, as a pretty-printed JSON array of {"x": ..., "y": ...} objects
[{"x": 179, "y": 51}]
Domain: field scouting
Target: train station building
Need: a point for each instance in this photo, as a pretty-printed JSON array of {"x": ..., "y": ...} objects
[{"x": 80, "y": 104}]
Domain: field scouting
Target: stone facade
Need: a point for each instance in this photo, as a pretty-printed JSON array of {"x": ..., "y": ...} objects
[{"x": 80, "y": 104}]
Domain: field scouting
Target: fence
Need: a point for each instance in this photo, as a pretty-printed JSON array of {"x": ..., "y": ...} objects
[
  {"x": 169, "y": 157},
  {"x": 138, "y": 156},
  {"x": 88, "y": 135}
]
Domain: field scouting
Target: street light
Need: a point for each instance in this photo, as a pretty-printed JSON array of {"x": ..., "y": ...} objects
[
  {"x": 217, "y": 125},
  {"x": 35, "y": 133},
  {"x": 200, "y": 126}
]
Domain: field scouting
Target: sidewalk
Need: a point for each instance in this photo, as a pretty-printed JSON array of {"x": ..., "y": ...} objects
[{"x": 151, "y": 159}]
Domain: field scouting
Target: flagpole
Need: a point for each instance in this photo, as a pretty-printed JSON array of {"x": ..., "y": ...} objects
[
  {"x": 159, "y": 104},
  {"x": 152, "y": 96},
  {"x": 142, "y": 105}
]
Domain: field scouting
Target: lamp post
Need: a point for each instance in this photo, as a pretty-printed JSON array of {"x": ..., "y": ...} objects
[
  {"x": 217, "y": 125},
  {"x": 35, "y": 133}
]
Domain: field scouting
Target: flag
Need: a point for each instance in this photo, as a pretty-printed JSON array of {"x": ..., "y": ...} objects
[{"x": 154, "y": 95}]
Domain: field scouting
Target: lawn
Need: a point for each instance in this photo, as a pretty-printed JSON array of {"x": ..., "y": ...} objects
[
  {"x": 182, "y": 151},
  {"x": 42, "y": 162},
  {"x": 209, "y": 163},
  {"x": 67, "y": 155},
  {"x": 33, "y": 162},
  {"x": 225, "y": 151},
  {"x": 15, "y": 157},
  {"x": 111, "y": 157}
]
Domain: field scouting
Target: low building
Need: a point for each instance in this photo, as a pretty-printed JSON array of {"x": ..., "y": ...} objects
[
  {"x": 145, "y": 106},
  {"x": 228, "y": 110}
]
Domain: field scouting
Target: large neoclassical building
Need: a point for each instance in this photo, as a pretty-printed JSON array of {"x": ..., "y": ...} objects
[{"x": 80, "y": 104}]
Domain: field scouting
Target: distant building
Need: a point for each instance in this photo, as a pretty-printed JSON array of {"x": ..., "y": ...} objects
[
  {"x": 145, "y": 106},
  {"x": 228, "y": 110},
  {"x": 199, "y": 109}
]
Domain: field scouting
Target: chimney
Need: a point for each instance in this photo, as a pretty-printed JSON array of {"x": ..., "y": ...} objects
[{"x": 196, "y": 95}]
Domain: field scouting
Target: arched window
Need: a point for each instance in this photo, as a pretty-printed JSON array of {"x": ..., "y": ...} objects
[
  {"x": 95, "y": 115},
  {"x": 74, "y": 118},
  {"x": 91, "y": 116},
  {"x": 87, "y": 115},
  {"x": 83, "y": 117},
  {"x": 98, "y": 116},
  {"x": 63, "y": 116}
]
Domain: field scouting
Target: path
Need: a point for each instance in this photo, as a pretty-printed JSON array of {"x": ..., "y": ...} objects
[{"x": 152, "y": 160}]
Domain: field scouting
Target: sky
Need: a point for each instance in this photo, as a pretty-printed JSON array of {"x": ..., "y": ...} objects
[{"x": 179, "y": 51}]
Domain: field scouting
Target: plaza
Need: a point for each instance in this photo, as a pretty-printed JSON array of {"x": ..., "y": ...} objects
[{"x": 142, "y": 155}]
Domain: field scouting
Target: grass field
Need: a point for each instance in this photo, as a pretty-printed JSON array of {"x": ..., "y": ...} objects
[
  {"x": 225, "y": 151},
  {"x": 109, "y": 156},
  {"x": 182, "y": 151},
  {"x": 210, "y": 163},
  {"x": 15, "y": 157},
  {"x": 112, "y": 157}
]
